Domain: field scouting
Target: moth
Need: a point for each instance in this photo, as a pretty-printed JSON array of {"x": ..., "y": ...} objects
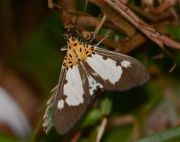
[{"x": 87, "y": 68}]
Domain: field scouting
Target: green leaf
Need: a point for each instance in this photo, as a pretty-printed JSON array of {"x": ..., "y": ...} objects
[
  {"x": 170, "y": 135},
  {"x": 106, "y": 106},
  {"x": 119, "y": 134}
]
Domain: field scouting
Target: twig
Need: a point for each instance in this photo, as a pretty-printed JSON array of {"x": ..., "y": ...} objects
[
  {"x": 120, "y": 121},
  {"x": 173, "y": 67},
  {"x": 76, "y": 136},
  {"x": 174, "y": 13},
  {"x": 50, "y": 4},
  {"x": 125, "y": 45},
  {"x": 101, "y": 40},
  {"x": 115, "y": 20},
  {"x": 98, "y": 27},
  {"x": 36, "y": 130},
  {"x": 54, "y": 6},
  {"x": 149, "y": 16},
  {"x": 150, "y": 32},
  {"x": 101, "y": 129}
]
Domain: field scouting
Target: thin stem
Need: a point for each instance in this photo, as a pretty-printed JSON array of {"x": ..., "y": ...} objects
[
  {"x": 98, "y": 27},
  {"x": 36, "y": 130},
  {"x": 101, "y": 129}
]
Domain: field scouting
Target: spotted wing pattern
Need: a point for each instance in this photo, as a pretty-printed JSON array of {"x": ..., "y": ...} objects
[{"x": 85, "y": 70}]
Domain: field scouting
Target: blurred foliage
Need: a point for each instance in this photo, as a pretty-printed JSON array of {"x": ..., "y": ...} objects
[
  {"x": 4, "y": 138},
  {"x": 171, "y": 135},
  {"x": 174, "y": 31},
  {"x": 40, "y": 58},
  {"x": 118, "y": 134}
]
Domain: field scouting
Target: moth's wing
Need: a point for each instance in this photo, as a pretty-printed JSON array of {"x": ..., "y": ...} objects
[
  {"x": 47, "y": 118},
  {"x": 72, "y": 98},
  {"x": 115, "y": 71}
]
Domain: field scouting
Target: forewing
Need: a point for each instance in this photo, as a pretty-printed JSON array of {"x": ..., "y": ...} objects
[
  {"x": 47, "y": 118},
  {"x": 72, "y": 99},
  {"x": 115, "y": 71}
]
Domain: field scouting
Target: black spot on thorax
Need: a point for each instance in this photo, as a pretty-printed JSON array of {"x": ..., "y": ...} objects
[
  {"x": 73, "y": 39},
  {"x": 70, "y": 55},
  {"x": 80, "y": 49}
]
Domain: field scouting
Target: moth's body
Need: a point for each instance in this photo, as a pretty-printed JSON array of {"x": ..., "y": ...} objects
[
  {"x": 77, "y": 52},
  {"x": 85, "y": 70}
]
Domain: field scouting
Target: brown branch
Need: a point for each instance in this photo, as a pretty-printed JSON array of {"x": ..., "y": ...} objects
[
  {"x": 117, "y": 22},
  {"x": 163, "y": 6},
  {"x": 50, "y": 4},
  {"x": 150, "y": 32},
  {"x": 76, "y": 136},
  {"x": 120, "y": 121},
  {"x": 150, "y": 16},
  {"x": 124, "y": 46},
  {"x": 99, "y": 26}
]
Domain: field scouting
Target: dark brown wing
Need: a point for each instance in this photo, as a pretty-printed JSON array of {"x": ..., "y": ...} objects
[
  {"x": 106, "y": 70},
  {"x": 116, "y": 71},
  {"x": 74, "y": 104}
]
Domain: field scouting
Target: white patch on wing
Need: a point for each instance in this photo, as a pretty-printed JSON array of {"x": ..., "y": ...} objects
[
  {"x": 73, "y": 89},
  {"x": 60, "y": 104},
  {"x": 106, "y": 68},
  {"x": 93, "y": 84},
  {"x": 125, "y": 63}
]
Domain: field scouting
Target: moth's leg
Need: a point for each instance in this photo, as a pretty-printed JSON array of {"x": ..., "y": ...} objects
[
  {"x": 90, "y": 35},
  {"x": 101, "y": 40},
  {"x": 93, "y": 37},
  {"x": 98, "y": 27}
]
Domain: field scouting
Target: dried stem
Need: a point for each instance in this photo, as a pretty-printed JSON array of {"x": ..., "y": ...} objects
[
  {"x": 101, "y": 129},
  {"x": 150, "y": 32},
  {"x": 98, "y": 27}
]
